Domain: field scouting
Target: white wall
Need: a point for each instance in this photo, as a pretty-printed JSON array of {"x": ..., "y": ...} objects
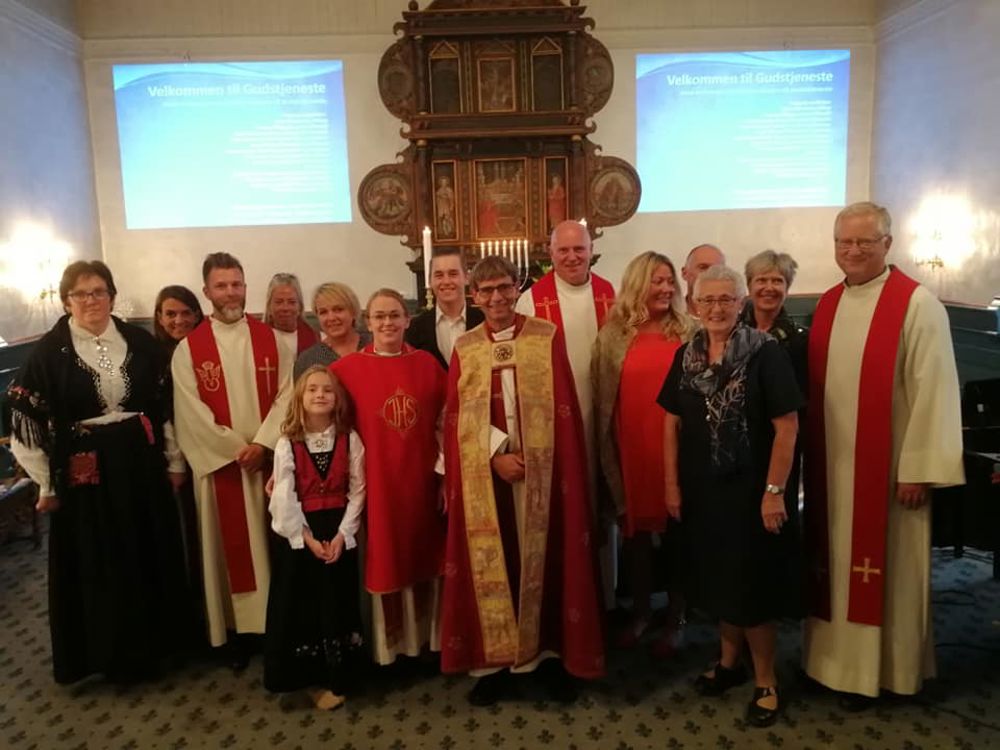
[
  {"x": 935, "y": 137},
  {"x": 144, "y": 261},
  {"x": 46, "y": 172}
]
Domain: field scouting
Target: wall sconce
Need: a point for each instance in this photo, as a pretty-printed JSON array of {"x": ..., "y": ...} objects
[
  {"x": 31, "y": 262},
  {"x": 944, "y": 232}
]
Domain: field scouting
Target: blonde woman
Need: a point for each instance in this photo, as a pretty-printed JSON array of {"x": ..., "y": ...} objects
[
  {"x": 337, "y": 310},
  {"x": 631, "y": 358}
]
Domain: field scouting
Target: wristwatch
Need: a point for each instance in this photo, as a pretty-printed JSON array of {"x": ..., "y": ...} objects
[{"x": 774, "y": 489}]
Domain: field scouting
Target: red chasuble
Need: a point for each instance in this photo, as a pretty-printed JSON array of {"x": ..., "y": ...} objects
[
  {"x": 397, "y": 402},
  {"x": 546, "y": 299},
  {"x": 488, "y": 620},
  {"x": 306, "y": 336},
  {"x": 872, "y": 453},
  {"x": 228, "y": 480}
]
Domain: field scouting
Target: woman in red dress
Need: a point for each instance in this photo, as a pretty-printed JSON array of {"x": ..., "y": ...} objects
[{"x": 632, "y": 356}]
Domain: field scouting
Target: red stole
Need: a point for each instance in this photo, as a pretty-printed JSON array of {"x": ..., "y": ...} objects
[
  {"x": 872, "y": 455},
  {"x": 397, "y": 404},
  {"x": 318, "y": 492},
  {"x": 306, "y": 336},
  {"x": 229, "y": 479},
  {"x": 546, "y": 299}
]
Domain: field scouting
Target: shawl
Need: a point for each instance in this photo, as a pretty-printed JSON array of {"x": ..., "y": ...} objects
[
  {"x": 723, "y": 387},
  {"x": 54, "y": 390}
]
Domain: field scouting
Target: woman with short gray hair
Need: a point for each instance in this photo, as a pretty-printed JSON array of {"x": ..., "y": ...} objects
[
  {"x": 729, "y": 438},
  {"x": 769, "y": 277}
]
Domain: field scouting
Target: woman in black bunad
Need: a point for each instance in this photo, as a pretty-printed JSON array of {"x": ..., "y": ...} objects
[{"x": 87, "y": 425}]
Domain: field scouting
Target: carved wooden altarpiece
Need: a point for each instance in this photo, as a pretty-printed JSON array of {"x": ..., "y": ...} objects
[{"x": 497, "y": 99}]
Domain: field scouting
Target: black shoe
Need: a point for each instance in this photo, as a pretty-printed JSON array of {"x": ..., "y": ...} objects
[
  {"x": 490, "y": 689},
  {"x": 759, "y": 716},
  {"x": 237, "y": 655},
  {"x": 720, "y": 680},
  {"x": 855, "y": 703},
  {"x": 560, "y": 686}
]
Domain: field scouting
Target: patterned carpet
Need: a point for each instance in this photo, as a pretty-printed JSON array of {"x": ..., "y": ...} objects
[{"x": 641, "y": 704}]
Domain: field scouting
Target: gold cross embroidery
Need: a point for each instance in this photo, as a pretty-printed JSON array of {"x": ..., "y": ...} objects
[
  {"x": 267, "y": 369},
  {"x": 606, "y": 301},
  {"x": 865, "y": 570}
]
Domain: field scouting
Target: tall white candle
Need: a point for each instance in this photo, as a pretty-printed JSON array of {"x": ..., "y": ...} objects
[
  {"x": 427, "y": 256},
  {"x": 482, "y": 250}
]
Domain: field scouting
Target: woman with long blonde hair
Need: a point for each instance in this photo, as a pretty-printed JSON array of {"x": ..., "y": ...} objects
[{"x": 632, "y": 355}]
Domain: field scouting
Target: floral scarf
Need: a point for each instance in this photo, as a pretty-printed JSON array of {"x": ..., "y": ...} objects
[{"x": 724, "y": 389}]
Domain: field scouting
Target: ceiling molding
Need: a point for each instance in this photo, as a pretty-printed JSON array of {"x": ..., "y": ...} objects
[
  {"x": 911, "y": 16},
  {"x": 40, "y": 27}
]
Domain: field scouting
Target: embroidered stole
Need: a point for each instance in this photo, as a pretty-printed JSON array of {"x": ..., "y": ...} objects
[
  {"x": 546, "y": 299},
  {"x": 228, "y": 480},
  {"x": 872, "y": 452},
  {"x": 508, "y": 636}
]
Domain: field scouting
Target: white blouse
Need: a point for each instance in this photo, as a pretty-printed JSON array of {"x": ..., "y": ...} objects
[
  {"x": 105, "y": 355},
  {"x": 287, "y": 517}
]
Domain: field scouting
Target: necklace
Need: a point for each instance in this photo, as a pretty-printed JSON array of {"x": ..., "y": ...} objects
[{"x": 104, "y": 361}]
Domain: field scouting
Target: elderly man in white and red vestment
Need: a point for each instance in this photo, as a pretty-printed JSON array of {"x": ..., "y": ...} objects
[
  {"x": 520, "y": 573},
  {"x": 398, "y": 394},
  {"x": 577, "y": 301},
  {"x": 283, "y": 311},
  {"x": 884, "y": 429},
  {"x": 231, "y": 381}
]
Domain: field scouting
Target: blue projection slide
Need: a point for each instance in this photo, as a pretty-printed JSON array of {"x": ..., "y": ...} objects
[
  {"x": 232, "y": 144},
  {"x": 730, "y": 130}
]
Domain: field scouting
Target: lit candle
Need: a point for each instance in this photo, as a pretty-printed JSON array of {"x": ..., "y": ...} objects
[
  {"x": 482, "y": 250},
  {"x": 583, "y": 222},
  {"x": 427, "y": 257}
]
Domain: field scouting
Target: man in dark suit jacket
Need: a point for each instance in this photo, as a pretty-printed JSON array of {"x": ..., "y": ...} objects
[{"x": 437, "y": 329}]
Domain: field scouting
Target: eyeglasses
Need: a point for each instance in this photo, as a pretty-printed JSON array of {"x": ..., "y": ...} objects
[
  {"x": 709, "y": 302},
  {"x": 863, "y": 244},
  {"x": 487, "y": 291},
  {"x": 97, "y": 295},
  {"x": 393, "y": 317}
]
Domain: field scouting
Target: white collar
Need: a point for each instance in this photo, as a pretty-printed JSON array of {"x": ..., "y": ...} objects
[
  {"x": 439, "y": 313},
  {"x": 79, "y": 332},
  {"x": 566, "y": 288}
]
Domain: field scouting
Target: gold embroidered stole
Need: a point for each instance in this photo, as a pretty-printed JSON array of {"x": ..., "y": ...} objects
[{"x": 507, "y": 639}]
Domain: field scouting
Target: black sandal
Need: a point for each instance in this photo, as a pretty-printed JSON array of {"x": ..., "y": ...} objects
[
  {"x": 721, "y": 679},
  {"x": 758, "y": 715}
]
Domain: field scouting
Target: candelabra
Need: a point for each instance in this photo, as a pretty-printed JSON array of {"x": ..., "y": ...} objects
[{"x": 514, "y": 249}]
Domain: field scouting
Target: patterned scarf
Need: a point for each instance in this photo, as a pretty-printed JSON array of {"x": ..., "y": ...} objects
[{"x": 723, "y": 387}]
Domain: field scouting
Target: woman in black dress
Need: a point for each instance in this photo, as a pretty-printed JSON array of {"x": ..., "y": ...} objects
[
  {"x": 87, "y": 426},
  {"x": 731, "y": 401},
  {"x": 176, "y": 313}
]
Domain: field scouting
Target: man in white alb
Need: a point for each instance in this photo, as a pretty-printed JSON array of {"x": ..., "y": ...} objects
[
  {"x": 577, "y": 301},
  {"x": 231, "y": 382},
  {"x": 884, "y": 429}
]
